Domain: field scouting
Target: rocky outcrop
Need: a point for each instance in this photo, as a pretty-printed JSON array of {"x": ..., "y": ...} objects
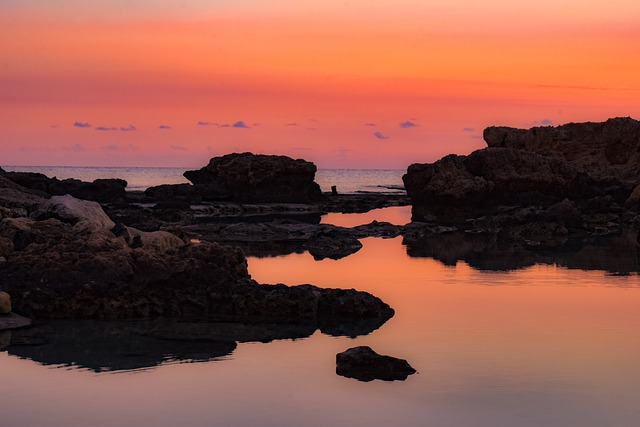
[
  {"x": 100, "y": 190},
  {"x": 364, "y": 364},
  {"x": 606, "y": 149},
  {"x": 332, "y": 244},
  {"x": 537, "y": 167},
  {"x": 251, "y": 177}
]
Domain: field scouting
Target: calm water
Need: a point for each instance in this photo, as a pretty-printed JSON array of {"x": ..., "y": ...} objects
[
  {"x": 346, "y": 180},
  {"x": 543, "y": 346}
]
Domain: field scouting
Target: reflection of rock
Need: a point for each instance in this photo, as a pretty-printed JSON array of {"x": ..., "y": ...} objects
[
  {"x": 257, "y": 178},
  {"x": 617, "y": 253},
  {"x": 5, "y": 338},
  {"x": 108, "y": 346},
  {"x": 364, "y": 364},
  {"x": 332, "y": 244}
]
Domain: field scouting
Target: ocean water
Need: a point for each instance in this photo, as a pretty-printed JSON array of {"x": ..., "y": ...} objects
[{"x": 347, "y": 181}]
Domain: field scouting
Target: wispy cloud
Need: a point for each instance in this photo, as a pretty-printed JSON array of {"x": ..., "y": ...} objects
[
  {"x": 408, "y": 124},
  {"x": 164, "y": 127},
  {"x": 239, "y": 124},
  {"x": 105, "y": 128},
  {"x": 78, "y": 148},
  {"x": 380, "y": 135},
  {"x": 179, "y": 148},
  {"x": 468, "y": 129},
  {"x": 129, "y": 128},
  {"x": 81, "y": 124},
  {"x": 291, "y": 124},
  {"x": 206, "y": 123},
  {"x": 370, "y": 124},
  {"x": 111, "y": 147}
]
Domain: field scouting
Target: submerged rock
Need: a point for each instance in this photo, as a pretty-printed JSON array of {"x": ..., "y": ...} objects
[{"x": 364, "y": 364}]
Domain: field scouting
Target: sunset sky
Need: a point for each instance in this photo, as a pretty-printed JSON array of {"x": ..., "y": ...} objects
[{"x": 350, "y": 83}]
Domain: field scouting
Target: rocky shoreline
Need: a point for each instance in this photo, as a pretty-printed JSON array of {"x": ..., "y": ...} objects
[{"x": 72, "y": 250}]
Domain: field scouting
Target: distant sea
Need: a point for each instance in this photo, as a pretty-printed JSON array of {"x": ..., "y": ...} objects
[{"x": 347, "y": 181}]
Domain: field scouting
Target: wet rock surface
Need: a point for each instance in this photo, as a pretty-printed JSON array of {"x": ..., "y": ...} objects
[{"x": 364, "y": 364}]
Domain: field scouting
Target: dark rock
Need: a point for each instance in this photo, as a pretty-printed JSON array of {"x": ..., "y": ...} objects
[
  {"x": 251, "y": 177},
  {"x": 174, "y": 192},
  {"x": 13, "y": 321},
  {"x": 332, "y": 244},
  {"x": 607, "y": 149},
  {"x": 364, "y": 364},
  {"x": 100, "y": 190},
  {"x": 5, "y": 303}
]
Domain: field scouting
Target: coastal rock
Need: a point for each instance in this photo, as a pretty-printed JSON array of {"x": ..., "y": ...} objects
[
  {"x": 175, "y": 192},
  {"x": 251, "y": 177},
  {"x": 81, "y": 213},
  {"x": 364, "y": 364},
  {"x": 13, "y": 321},
  {"x": 606, "y": 149},
  {"x": 5, "y": 303},
  {"x": 100, "y": 190}
]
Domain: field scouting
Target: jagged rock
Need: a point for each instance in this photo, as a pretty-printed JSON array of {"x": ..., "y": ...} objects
[
  {"x": 364, "y": 364},
  {"x": 606, "y": 149},
  {"x": 251, "y": 177},
  {"x": 175, "y": 192},
  {"x": 5, "y": 303}
]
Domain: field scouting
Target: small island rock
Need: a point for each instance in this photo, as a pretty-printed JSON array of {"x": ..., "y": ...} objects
[{"x": 364, "y": 364}]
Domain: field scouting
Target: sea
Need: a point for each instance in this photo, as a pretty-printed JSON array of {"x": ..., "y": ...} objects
[
  {"x": 347, "y": 181},
  {"x": 499, "y": 337}
]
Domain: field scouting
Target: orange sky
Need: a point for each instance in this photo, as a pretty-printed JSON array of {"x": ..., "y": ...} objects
[{"x": 341, "y": 83}]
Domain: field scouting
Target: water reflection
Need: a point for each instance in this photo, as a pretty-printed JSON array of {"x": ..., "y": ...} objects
[
  {"x": 617, "y": 254},
  {"x": 116, "y": 346}
]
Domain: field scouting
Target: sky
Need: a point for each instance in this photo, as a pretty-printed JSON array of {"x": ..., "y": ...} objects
[{"x": 345, "y": 84}]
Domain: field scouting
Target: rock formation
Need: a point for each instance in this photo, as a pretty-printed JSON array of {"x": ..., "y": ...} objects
[
  {"x": 248, "y": 177},
  {"x": 364, "y": 364},
  {"x": 539, "y": 167},
  {"x": 607, "y": 149},
  {"x": 65, "y": 258}
]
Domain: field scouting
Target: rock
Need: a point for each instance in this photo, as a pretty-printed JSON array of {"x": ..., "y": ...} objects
[
  {"x": 633, "y": 201},
  {"x": 606, "y": 149},
  {"x": 13, "y": 321},
  {"x": 332, "y": 244},
  {"x": 5, "y": 303},
  {"x": 175, "y": 192},
  {"x": 248, "y": 177},
  {"x": 81, "y": 213},
  {"x": 364, "y": 364},
  {"x": 100, "y": 190}
]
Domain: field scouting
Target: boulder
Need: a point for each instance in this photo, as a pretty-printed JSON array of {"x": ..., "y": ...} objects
[
  {"x": 606, "y": 149},
  {"x": 5, "y": 303},
  {"x": 332, "y": 244},
  {"x": 248, "y": 177},
  {"x": 364, "y": 364},
  {"x": 175, "y": 192}
]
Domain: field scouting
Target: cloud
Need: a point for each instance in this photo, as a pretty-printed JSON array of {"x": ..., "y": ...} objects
[
  {"x": 111, "y": 147},
  {"x": 178, "y": 148},
  {"x": 291, "y": 124},
  {"x": 380, "y": 135},
  {"x": 105, "y": 129},
  {"x": 76, "y": 147},
  {"x": 129, "y": 128},
  {"x": 312, "y": 128},
  {"x": 206, "y": 123},
  {"x": 408, "y": 124},
  {"x": 164, "y": 127},
  {"x": 81, "y": 124},
  {"x": 54, "y": 126},
  {"x": 300, "y": 149},
  {"x": 239, "y": 124},
  {"x": 468, "y": 129},
  {"x": 370, "y": 124}
]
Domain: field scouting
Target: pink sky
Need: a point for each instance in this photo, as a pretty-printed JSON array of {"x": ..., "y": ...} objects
[{"x": 375, "y": 84}]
